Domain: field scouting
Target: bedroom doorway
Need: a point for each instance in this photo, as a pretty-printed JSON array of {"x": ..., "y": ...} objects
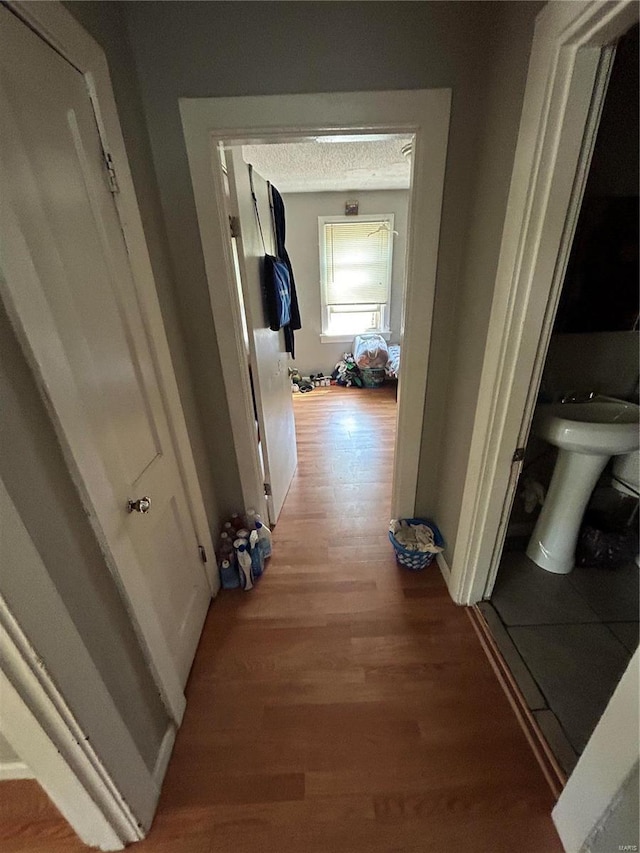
[
  {"x": 209, "y": 123},
  {"x": 342, "y": 220}
]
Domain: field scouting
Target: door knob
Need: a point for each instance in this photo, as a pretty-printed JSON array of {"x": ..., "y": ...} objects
[{"x": 141, "y": 505}]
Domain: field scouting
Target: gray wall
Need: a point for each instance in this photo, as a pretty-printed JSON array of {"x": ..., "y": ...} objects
[
  {"x": 479, "y": 50},
  {"x": 464, "y": 293},
  {"x": 303, "y": 210},
  {"x": 207, "y": 423},
  {"x": 34, "y": 472}
]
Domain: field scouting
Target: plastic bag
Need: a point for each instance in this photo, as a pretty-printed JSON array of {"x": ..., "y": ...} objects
[
  {"x": 370, "y": 351},
  {"x": 606, "y": 549}
]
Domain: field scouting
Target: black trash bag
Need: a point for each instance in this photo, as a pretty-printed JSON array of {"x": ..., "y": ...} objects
[{"x": 605, "y": 546}]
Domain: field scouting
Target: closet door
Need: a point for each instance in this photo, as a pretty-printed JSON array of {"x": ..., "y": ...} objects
[{"x": 66, "y": 275}]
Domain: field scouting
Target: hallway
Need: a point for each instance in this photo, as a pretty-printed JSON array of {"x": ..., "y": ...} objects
[{"x": 344, "y": 705}]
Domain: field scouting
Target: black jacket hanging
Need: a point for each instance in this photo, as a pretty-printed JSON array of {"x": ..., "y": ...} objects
[
  {"x": 275, "y": 278},
  {"x": 279, "y": 227}
]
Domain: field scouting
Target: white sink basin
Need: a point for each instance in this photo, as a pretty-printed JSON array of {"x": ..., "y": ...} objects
[
  {"x": 603, "y": 425},
  {"x": 588, "y": 434}
]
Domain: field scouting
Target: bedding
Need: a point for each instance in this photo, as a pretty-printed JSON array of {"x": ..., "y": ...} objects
[
  {"x": 370, "y": 351},
  {"x": 392, "y": 367}
]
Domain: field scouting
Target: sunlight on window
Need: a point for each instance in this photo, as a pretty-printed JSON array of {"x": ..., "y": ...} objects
[{"x": 352, "y": 322}]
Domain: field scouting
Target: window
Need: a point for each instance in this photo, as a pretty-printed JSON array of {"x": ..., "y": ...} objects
[{"x": 355, "y": 271}]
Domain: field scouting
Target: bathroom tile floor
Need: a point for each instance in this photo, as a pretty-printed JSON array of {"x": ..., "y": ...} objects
[{"x": 567, "y": 639}]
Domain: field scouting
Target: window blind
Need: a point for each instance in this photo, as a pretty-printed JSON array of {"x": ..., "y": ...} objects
[{"x": 357, "y": 262}]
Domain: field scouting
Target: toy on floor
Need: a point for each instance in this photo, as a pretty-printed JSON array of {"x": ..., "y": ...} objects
[{"x": 298, "y": 383}]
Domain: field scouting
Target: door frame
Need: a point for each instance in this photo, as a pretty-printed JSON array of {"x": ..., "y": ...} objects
[
  {"x": 48, "y": 735},
  {"x": 56, "y": 26},
  {"x": 568, "y": 73},
  {"x": 209, "y": 122}
]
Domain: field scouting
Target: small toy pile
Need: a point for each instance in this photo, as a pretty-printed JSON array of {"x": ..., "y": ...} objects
[
  {"x": 298, "y": 382},
  {"x": 347, "y": 372},
  {"x": 243, "y": 548}
]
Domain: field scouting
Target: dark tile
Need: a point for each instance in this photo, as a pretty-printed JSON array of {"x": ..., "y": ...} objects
[
  {"x": 627, "y": 633},
  {"x": 525, "y": 594},
  {"x": 554, "y": 735},
  {"x": 612, "y": 593},
  {"x": 577, "y": 667},
  {"x": 517, "y": 666}
]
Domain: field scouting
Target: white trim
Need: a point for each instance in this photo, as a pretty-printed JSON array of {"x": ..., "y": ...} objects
[
  {"x": 348, "y": 339},
  {"x": 164, "y": 755},
  {"x": 209, "y": 121},
  {"x": 43, "y": 730},
  {"x": 569, "y": 63},
  {"x": 57, "y": 778},
  {"x": 603, "y": 767},
  {"x": 445, "y": 571},
  {"x": 15, "y": 770}
]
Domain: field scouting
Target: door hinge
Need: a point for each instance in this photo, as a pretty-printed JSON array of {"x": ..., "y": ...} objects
[
  {"x": 234, "y": 226},
  {"x": 267, "y": 489},
  {"x": 203, "y": 553},
  {"x": 111, "y": 173},
  {"x": 518, "y": 455}
]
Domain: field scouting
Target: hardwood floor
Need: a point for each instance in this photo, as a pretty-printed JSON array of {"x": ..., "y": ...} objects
[{"x": 345, "y": 704}]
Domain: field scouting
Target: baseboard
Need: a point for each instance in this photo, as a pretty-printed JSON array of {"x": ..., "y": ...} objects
[
  {"x": 164, "y": 754},
  {"x": 445, "y": 571},
  {"x": 552, "y": 771},
  {"x": 14, "y": 770}
]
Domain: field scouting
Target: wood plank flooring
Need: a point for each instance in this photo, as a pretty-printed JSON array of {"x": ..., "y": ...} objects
[{"x": 345, "y": 704}]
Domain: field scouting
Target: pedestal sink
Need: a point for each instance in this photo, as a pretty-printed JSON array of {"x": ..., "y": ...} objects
[{"x": 587, "y": 435}]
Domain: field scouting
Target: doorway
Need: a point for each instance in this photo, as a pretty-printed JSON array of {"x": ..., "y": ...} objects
[
  {"x": 210, "y": 122},
  {"x": 342, "y": 223},
  {"x": 564, "y": 608}
]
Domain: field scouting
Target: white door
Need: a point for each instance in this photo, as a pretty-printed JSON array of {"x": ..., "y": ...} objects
[
  {"x": 267, "y": 356},
  {"x": 71, "y": 280}
]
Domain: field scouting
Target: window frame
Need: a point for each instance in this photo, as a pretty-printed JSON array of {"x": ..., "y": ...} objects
[{"x": 383, "y": 308}]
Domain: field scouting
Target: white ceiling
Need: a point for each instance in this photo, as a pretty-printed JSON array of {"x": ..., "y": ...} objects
[{"x": 311, "y": 166}]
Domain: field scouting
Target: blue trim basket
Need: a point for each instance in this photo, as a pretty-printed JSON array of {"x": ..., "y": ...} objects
[{"x": 416, "y": 560}]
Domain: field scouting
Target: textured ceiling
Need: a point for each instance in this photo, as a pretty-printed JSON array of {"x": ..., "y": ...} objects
[{"x": 324, "y": 166}]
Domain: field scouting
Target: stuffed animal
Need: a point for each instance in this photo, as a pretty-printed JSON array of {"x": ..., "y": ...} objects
[{"x": 298, "y": 382}]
